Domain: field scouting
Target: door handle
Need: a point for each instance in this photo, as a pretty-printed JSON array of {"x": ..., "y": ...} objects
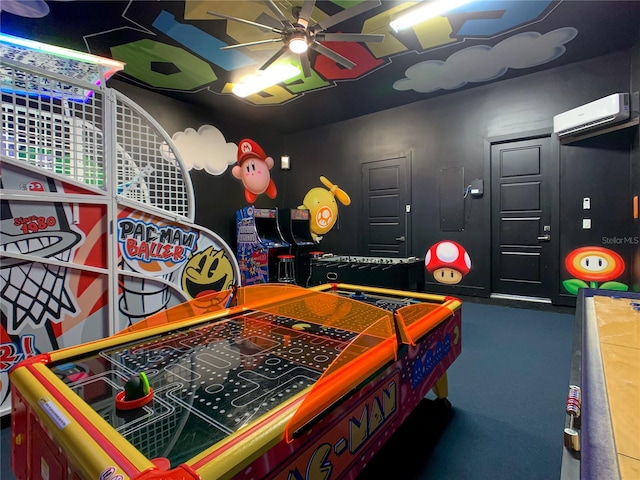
[
  {"x": 400, "y": 239},
  {"x": 544, "y": 238}
]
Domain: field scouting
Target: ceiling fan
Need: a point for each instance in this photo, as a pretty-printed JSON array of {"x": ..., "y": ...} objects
[{"x": 299, "y": 36}]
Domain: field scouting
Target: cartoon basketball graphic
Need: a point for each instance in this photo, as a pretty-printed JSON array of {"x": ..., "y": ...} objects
[{"x": 43, "y": 232}]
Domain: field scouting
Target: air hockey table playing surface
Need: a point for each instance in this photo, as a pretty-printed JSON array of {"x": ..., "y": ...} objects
[{"x": 251, "y": 386}]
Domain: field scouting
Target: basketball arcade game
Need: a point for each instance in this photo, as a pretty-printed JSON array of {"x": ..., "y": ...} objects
[
  {"x": 92, "y": 238},
  {"x": 267, "y": 381}
]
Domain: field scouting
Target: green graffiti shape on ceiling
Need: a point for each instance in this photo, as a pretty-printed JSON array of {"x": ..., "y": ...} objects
[{"x": 188, "y": 72}]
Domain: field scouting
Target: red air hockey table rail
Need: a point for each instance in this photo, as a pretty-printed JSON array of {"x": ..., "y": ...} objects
[{"x": 268, "y": 381}]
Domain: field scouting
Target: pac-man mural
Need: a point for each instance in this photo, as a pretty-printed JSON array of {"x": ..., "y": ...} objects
[{"x": 206, "y": 272}]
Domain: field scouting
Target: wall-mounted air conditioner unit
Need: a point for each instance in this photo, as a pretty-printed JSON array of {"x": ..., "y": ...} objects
[{"x": 601, "y": 112}]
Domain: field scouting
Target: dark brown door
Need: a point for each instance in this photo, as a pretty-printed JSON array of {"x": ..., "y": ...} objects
[
  {"x": 521, "y": 218},
  {"x": 386, "y": 193}
]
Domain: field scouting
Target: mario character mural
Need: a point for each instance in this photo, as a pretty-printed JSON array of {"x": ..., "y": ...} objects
[
  {"x": 253, "y": 171},
  {"x": 448, "y": 261},
  {"x": 598, "y": 266},
  {"x": 323, "y": 208}
]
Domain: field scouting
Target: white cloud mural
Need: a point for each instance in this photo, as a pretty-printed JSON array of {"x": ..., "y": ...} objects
[
  {"x": 205, "y": 149},
  {"x": 31, "y": 9},
  {"x": 482, "y": 63}
]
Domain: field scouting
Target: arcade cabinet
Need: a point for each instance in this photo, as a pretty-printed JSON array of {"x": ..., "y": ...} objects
[
  {"x": 296, "y": 229},
  {"x": 259, "y": 243}
]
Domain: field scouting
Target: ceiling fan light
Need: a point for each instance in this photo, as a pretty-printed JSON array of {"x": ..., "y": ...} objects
[
  {"x": 425, "y": 11},
  {"x": 298, "y": 45}
]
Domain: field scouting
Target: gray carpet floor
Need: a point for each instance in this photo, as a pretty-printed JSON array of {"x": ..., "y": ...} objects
[{"x": 507, "y": 391}]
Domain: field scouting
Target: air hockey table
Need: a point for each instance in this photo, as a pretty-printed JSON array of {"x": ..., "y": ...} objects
[
  {"x": 602, "y": 424},
  {"x": 261, "y": 382}
]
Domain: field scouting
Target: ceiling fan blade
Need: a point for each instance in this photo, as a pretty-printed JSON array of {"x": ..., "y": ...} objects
[
  {"x": 350, "y": 37},
  {"x": 267, "y": 19},
  {"x": 250, "y": 44},
  {"x": 306, "y": 66},
  {"x": 276, "y": 56},
  {"x": 278, "y": 13},
  {"x": 345, "y": 15},
  {"x": 305, "y": 12},
  {"x": 335, "y": 56},
  {"x": 248, "y": 22}
]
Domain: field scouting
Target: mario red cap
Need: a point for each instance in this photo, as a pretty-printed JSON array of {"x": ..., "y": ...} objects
[{"x": 247, "y": 149}]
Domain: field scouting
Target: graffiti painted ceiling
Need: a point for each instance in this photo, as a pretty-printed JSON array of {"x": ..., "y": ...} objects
[{"x": 175, "y": 48}]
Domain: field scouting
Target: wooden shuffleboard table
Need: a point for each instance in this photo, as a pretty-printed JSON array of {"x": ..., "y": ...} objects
[
  {"x": 602, "y": 426},
  {"x": 269, "y": 381}
]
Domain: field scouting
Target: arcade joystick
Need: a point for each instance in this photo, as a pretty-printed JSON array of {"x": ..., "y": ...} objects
[
  {"x": 136, "y": 393},
  {"x": 358, "y": 295}
]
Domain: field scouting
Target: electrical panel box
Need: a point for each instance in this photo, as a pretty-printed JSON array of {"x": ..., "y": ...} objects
[{"x": 477, "y": 188}]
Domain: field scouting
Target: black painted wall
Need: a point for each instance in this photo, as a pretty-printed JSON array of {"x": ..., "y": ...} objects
[
  {"x": 449, "y": 131},
  {"x": 452, "y": 130}
]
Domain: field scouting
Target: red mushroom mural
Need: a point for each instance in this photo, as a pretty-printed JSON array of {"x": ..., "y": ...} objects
[
  {"x": 448, "y": 262},
  {"x": 593, "y": 265}
]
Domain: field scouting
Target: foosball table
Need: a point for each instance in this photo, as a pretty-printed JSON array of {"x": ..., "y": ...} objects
[{"x": 386, "y": 272}]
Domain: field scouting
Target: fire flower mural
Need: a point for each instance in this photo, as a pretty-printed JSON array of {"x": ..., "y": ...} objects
[{"x": 594, "y": 265}]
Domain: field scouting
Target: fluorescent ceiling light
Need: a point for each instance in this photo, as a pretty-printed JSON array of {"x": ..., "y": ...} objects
[
  {"x": 115, "y": 65},
  {"x": 425, "y": 11},
  {"x": 87, "y": 67},
  {"x": 263, "y": 79}
]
